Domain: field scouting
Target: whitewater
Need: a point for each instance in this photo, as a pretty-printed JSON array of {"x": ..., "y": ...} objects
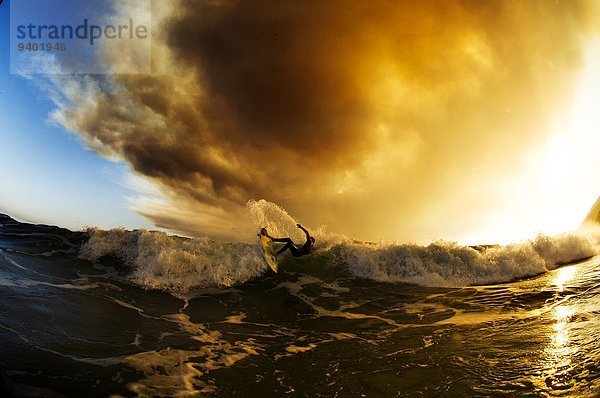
[{"x": 179, "y": 265}]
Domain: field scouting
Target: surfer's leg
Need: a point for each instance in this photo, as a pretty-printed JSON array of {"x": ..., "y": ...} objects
[
  {"x": 283, "y": 240},
  {"x": 295, "y": 252},
  {"x": 284, "y": 248}
]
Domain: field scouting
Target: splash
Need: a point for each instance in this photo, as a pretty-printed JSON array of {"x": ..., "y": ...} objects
[{"x": 274, "y": 218}]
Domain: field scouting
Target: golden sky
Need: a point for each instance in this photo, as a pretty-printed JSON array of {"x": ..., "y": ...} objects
[{"x": 407, "y": 120}]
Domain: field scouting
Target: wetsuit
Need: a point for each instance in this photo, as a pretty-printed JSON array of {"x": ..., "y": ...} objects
[{"x": 291, "y": 246}]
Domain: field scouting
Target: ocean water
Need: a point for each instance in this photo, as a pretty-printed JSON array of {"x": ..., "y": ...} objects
[{"x": 138, "y": 313}]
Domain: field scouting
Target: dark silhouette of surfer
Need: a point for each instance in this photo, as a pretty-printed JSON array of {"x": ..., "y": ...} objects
[{"x": 290, "y": 245}]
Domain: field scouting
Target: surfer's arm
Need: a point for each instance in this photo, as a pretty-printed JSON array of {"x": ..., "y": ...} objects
[{"x": 305, "y": 231}]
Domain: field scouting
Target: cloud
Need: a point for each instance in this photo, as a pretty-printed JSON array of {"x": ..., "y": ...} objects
[{"x": 379, "y": 119}]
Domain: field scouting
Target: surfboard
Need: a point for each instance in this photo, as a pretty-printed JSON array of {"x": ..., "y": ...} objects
[{"x": 267, "y": 247}]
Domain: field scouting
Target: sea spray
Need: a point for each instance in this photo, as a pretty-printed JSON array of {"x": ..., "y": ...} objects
[
  {"x": 447, "y": 264},
  {"x": 277, "y": 221},
  {"x": 175, "y": 264},
  {"x": 281, "y": 224}
]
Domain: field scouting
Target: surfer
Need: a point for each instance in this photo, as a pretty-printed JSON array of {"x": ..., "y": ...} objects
[{"x": 291, "y": 246}]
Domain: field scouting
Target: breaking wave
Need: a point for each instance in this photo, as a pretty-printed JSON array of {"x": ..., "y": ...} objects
[
  {"x": 156, "y": 260},
  {"x": 175, "y": 264},
  {"x": 447, "y": 264}
]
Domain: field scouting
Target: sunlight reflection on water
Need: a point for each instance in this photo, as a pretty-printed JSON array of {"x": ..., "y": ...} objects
[
  {"x": 560, "y": 350},
  {"x": 564, "y": 275}
]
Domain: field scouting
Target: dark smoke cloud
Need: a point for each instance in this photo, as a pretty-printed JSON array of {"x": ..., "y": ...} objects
[{"x": 376, "y": 118}]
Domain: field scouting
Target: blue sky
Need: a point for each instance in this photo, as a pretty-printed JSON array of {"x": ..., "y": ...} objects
[{"x": 46, "y": 175}]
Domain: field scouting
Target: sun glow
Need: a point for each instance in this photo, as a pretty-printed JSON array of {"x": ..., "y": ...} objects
[
  {"x": 560, "y": 160},
  {"x": 561, "y": 176},
  {"x": 570, "y": 170}
]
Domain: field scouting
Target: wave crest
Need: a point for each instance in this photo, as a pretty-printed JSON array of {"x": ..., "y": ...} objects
[
  {"x": 175, "y": 264},
  {"x": 447, "y": 264}
]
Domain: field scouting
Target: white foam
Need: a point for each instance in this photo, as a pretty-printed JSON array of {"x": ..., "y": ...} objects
[
  {"x": 447, "y": 264},
  {"x": 175, "y": 264}
]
